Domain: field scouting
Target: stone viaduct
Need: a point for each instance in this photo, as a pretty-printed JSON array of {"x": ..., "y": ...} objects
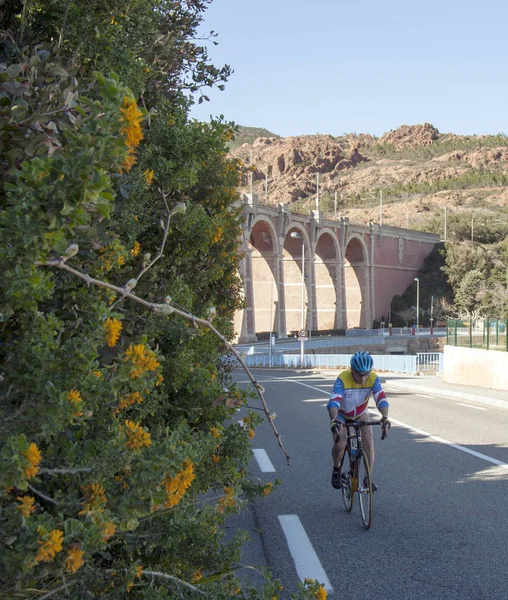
[{"x": 351, "y": 272}]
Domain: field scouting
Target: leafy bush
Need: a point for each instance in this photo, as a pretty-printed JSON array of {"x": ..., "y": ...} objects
[{"x": 118, "y": 238}]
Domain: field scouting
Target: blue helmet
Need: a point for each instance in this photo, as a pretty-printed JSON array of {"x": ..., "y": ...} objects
[{"x": 362, "y": 362}]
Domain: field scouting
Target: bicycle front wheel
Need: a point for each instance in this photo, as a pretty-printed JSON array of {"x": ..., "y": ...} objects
[
  {"x": 346, "y": 474},
  {"x": 365, "y": 491}
]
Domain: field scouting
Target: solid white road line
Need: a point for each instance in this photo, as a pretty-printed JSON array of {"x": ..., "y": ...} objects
[
  {"x": 424, "y": 396},
  {"x": 306, "y": 561},
  {"x": 471, "y": 406},
  {"x": 494, "y": 461},
  {"x": 265, "y": 464},
  {"x": 489, "y": 459}
]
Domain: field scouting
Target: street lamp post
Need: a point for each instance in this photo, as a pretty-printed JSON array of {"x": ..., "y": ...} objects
[
  {"x": 431, "y": 314},
  {"x": 417, "y": 304},
  {"x": 297, "y": 235}
]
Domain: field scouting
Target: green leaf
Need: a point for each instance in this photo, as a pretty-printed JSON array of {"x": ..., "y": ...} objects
[
  {"x": 44, "y": 54},
  {"x": 11, "y": 156},
  {"x": 104, "y": 209},
  {"x": 35, "y": 279},
  {"x": 59, "y": 71},
  {"x": 14, "y": 70},
  {"x": 67, "y": 209}
]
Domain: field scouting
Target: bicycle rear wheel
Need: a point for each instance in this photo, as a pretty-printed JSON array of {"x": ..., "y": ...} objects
[
  {"x": 365, "y": 491},
  {"x": 346, "y": 473}
]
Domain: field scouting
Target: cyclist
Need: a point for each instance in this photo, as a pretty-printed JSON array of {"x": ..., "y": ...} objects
[{"x": 348, "y": 402}]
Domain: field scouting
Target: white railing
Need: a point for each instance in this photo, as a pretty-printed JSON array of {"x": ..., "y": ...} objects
[
  {"x": 382, "y": 362},
  {"x": 429, "y": 361}
]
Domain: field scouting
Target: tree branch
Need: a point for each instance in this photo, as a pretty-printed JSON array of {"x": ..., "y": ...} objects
[
  {"x": 65, "y": 586},
  {"x": 180, "y": 207},
  {"x": 166, "y": 309},
  {"x": 172, "y": 578},
  {"x": 71, "y": 471},
  {"x": 43, "y": 496}
]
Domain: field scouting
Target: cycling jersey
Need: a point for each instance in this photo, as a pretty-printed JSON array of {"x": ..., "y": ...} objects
[{"x": 352, "y": 399}]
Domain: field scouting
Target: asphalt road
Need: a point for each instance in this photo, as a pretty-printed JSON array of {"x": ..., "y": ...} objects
[{"x": 440, "y": 523}]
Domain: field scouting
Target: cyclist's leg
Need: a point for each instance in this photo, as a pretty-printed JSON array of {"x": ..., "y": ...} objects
[
  {"x": 339, "y": 445},
  {"x": 368, "y": 441}
]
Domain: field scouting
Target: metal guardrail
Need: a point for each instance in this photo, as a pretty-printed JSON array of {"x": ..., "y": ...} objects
[
  {"x": 428, "y": 361},
  {"x": 315, "y": 343}
]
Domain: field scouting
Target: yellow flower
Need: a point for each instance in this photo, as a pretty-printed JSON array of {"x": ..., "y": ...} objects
[
  {"x": 149, "y": 175},
  {"x": 95, "y": 498},
  {"x": 134, "y": 398},
  {"x": 267, "y": 488},
  {"x": 132, "y": 117},
  {"x": 97, "y": 374},
  {"x": 217, "y": 236},
  {"x": 129, "y": 162},
  {"x": 252, "y": 433},
  {"x": 197, "y": 576},
  {"x": 136, "y": 249},
  {"x": 139, "y": 571},
  {"x": 26, "y": 505},
  {"x": 215, "y": 459},
  {"x": 74, "y": 559},
  {"x": 215, "y": 432},
  {"x": 50, "y": 546},
  {"x": 159, "y": 380},
  {"x": 34, "y": 457},
  {"x": 113, "y": 328},
  {"x": 137, "y": 437},
  {"x": 176, "y": 486},
  {"x": 120, "y": 260},
  {"x": 108, "y": 530},
  {"x": 227, "y": 501},
  {"x": 321, "y": 594},
  {"x": 74, "y": 397},
  {"x": 142, "y": 358}
]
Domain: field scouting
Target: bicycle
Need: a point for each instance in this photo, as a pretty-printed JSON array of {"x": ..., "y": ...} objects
[{"x": 355, "y": 471}]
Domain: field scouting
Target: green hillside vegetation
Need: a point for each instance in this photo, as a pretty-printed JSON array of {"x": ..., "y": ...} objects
[{"x": 247, "y": 135}]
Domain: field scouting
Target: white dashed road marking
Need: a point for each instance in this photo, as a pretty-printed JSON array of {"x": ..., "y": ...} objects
[
  {"x": 306, "y": 561},
  {"x": 265, "y": 464},
  {"x": 471, "y": 406}
]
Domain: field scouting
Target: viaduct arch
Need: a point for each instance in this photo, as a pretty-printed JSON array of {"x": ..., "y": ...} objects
[{"x": 351, "y": 272}]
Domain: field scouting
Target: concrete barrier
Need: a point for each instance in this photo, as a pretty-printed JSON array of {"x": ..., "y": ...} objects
[{"x": 472, "y": 366}]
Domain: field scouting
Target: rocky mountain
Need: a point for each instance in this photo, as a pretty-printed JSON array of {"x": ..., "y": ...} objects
[{"x": 417, "y": 170}]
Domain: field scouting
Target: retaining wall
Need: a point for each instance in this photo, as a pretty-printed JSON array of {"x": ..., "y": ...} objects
[{"x": 472, "y": 366}]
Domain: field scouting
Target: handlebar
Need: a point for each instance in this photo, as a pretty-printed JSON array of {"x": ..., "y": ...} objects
[{"x": 358, "y": 424}]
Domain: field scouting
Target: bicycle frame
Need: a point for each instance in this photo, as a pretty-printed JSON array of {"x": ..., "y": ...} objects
[{"x": 351, "y": 479}]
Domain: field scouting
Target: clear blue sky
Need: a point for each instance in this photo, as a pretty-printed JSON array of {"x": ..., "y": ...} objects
[{"x": 364, "y": 66}]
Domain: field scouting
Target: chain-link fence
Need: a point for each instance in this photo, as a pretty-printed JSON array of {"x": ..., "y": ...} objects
[{"x": 489, "y": 334}]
